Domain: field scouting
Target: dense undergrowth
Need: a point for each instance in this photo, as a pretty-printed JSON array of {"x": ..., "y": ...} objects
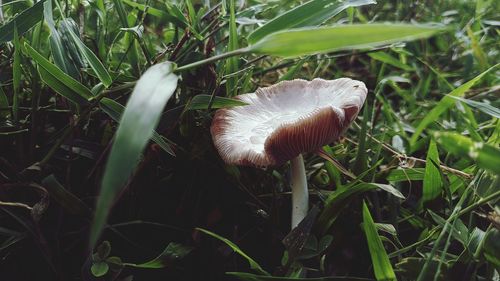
[{"x": 413, "y": 191}]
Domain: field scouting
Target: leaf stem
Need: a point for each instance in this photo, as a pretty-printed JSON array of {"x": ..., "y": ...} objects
[{"x": 212, "y": 59}]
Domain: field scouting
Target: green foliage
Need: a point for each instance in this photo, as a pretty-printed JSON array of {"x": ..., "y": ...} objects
[
  {"x": 381, "y": 264},
  {"x": 152, "y": 91},
  {"x": 311, "y": 13},
  {"x": 22, "y": 22},
  {"x": 298, "y": 42},
  {"x": 432, "y": 184},
  {"x": 105, "y": 116},
  {"x": 253, "y": 264}
]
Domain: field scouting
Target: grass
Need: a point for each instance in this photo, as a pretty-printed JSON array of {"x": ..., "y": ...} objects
[{"x": 107, "y": 167}]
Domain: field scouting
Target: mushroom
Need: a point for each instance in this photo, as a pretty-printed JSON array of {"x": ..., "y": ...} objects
[{"x": 282, "y": 121}]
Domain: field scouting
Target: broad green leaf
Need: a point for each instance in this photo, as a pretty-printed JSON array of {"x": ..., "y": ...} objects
[
  {"x": 203, "y": 102},
  {"x": 141, "y": 115},
  {"x": 23, "y": 21},
  {"x": 432, "y": 184},
  {"x": 484, "y": 155},
  {"x": 115, "y": 110},
  {"x": 91, "y": 59},
  {"x": 232, "y": 62},
  {"x": 311, "y": 13},
  {"x": 58, "y": 50},
  {"x": 253, "y": 264},
  {"x": 245, "y": 276},
  {"x": 381, "y": 265},
  {"x": 413, "y": 174},
  {"x": 297, "y": 42},
  {"x": 172, "y": 252},
  {"x": 445, "y": 103},
  {"x": 388, "y": 59},
  {"x": 16, "y": 73},
  {"x": 55, "y": 78}
]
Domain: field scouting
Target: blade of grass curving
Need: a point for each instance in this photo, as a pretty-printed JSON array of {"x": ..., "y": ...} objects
[
  {"x": 141, "y": 115},
  {"x": 445, "y": 103},
  {"x": 339, "y": 199},
  {"x": 253, "y": 264},
  {"x": 115, "y": 111},
  {"x": 172, "y": 253},
  {"x": 16, "y": 79},
  {"x": 432, "y": 185},
  {"x": 23, "y": 22},
  {"x": 482, "y": 106},
  {"x": 381, "y": 265},
  {"x": 311, "y": 13},
  {"x": 91, "y": 59},
  {"x": 204, "y": 101},
  {"x": 303, "y": 41},
  {"x": 232, "y": 62},
  {"x": 484, "y": 155},
  {"x": 388, "y": 59},
  {"x": 61, "y": 82}
]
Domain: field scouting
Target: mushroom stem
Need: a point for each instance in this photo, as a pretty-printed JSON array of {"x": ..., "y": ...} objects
[{"x": 300, "y": 194}]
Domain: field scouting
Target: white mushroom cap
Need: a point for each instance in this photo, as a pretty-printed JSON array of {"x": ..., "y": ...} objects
[{"x": 286, "y": 119}]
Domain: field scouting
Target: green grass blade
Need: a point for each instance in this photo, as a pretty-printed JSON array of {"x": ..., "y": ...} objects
[
  {"x": 57, "y": 48},
  {"x": 297, "y": 42},
  {"x": 484, "y": 155},
  {"x": 16, "y": 79},
  {"x": 157, "y": 13},
  {"x": 486, "y": 108},
  {"x": 340, "y": 198},
  {"x": 445, "y": 103},
  {"x": 141, "y": 115},
  {"x": 203, "y": 102},
  {"x": 381, "y": 265},
  {"x": 122, "y": 14},
  {"x": 232, "y": 62},
  {"x": 432, "y": 185},
  {"x": 115, "y": 111},
  {"x": 24, "y": 22},
  {"x": 253, "y": 264},
  {"x": 388, "y": 59},
  {"x": 311, "y": 13},
  {"x": 413, "y": 174},
  {"x": 172, "y": 253},
  {"x": 91, "y": 59},
  {"x": 58, "y": 80}
]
